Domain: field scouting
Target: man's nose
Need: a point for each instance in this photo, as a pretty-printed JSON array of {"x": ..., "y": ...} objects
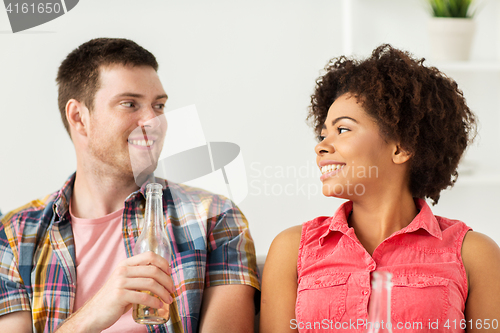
[{"x": 149, "y": 118}]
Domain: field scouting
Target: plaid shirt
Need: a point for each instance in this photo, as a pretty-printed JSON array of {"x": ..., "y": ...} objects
[{"x": 209, "y": 238}]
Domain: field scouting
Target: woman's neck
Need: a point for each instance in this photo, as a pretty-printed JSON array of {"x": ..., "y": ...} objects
[{"x": 375, "y": 219}]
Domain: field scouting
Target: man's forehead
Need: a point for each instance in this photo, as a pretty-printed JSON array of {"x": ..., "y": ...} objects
[
  {"x": 121, "y": 68},
  {"x": 139, "y": 80}
]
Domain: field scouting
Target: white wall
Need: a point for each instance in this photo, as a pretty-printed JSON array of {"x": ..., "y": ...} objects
[{"x": 249, "y": 67}]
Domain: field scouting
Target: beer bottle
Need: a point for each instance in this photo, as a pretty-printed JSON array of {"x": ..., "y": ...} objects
[{"x": 153, "y": 238}]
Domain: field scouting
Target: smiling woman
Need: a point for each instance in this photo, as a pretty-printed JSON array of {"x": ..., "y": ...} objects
[
  {"x": 354, "y": 142},
  {"x": 410, "y": 124}
]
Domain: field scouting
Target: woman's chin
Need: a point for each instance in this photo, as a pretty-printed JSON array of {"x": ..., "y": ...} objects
[
  {"x": 329, "y": 193},
  {"x": 349, "y": 189}
]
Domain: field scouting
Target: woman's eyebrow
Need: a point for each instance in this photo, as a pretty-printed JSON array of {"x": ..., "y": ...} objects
[{"x": 336, "y": 120}]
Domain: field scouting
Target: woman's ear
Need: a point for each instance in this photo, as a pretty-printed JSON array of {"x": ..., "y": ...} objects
[
  {"x": 77, "y": 115},
  {"x": 400, "y": 155}
]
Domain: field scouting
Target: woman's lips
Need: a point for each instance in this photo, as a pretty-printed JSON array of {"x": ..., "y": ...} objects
[{"x": 330, "y": 170}]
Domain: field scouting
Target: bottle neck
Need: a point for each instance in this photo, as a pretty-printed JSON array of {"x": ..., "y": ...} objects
[
  {"x": 153, "y": 217},
  {"x": 379, "y": 311},
  {"x": 153, "y": 236}
]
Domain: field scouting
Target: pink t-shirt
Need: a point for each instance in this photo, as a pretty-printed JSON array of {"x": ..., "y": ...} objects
[
  {"x": 99, "y": 248},
  {"x": 429, "y": 280}
]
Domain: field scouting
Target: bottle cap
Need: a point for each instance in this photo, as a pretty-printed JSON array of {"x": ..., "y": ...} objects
[{"x": 154, "y": 188}]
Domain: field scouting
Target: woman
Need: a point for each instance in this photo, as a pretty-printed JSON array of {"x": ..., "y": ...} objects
[{"x": 391, "y": 133}]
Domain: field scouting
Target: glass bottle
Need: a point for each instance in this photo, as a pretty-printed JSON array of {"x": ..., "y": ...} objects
[
  {"x": 153, "y": 238},
  {"x": 379, "y": 309}
]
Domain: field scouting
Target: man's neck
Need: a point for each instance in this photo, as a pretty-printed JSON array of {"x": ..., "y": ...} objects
[{"x": 96, "y": 195}]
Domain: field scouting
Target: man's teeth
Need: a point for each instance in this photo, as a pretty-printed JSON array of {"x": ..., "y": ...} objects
[
  {"x": 331, "y": 167},
  {"x": 144, "y": 143}
]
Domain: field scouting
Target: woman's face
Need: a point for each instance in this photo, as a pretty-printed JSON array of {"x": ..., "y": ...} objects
[{"x": 354, "y": 159}]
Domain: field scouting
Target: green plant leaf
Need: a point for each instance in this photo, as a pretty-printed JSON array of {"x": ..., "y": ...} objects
[{"x": 451, "y": 8}]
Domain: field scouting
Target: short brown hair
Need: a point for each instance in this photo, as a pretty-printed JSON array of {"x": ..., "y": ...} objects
[
  {"x": 418, "y": 106},
  {"x": 78, "y": 75}
]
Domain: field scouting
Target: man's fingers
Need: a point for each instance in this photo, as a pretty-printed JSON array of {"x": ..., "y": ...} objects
[
  {"x": 150, "y": 271},
  {"x": 148, "y": 258},
  {"x": 149, "y": 284},
  {"x": 143, "y": 298}
]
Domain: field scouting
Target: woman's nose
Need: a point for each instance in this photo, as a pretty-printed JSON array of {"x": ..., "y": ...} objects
[{"x": 324, "y": 147}]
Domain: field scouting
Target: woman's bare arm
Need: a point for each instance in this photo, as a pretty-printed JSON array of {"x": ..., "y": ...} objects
[
  {"x": 279, "y": 283},
  {"x": 481, "y": 258},
  {"x": 19, "y": 321}
]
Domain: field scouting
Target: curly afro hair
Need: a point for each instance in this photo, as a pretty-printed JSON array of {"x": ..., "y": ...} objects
[{"x": 417, "y": 106}]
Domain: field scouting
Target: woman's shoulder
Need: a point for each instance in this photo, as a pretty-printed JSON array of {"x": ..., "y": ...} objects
[
  {"x": 286, "y": 244},
  {"x": 481, "y": 259},
  {"x": 281, "y": 260},
  {"x": 292, "y": 235},
  {"x": 288, "y": 238},
  {"x": 479, "y": 253},
  {"x": 477, "y": 239}
]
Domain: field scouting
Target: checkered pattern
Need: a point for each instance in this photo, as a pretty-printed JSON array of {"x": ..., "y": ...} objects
[{"x": 209, "y": 237}]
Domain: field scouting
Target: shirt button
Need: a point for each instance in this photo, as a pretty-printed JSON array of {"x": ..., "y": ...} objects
[
  {"x": 317, "y": 282},
  {"x": 365, "y": 292}
]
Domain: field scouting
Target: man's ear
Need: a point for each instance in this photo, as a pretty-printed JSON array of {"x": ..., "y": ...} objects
[
  {"x": 400, "y": 155},
  {"x": 77, "y": 115}
]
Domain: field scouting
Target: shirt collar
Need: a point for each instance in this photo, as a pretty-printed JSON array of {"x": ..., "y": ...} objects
[
  {"x": 62, "y": 200},
  {"x": 425, "y": 220},
  {"x": 338, "y": 222}
]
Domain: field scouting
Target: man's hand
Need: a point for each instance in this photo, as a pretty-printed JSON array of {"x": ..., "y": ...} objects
[{"x": 147, "y": 271}]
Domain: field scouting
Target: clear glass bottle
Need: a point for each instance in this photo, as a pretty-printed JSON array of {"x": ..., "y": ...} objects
[
  {"x": 153, "y": 238},
  {"x": 379, "y": 309}
]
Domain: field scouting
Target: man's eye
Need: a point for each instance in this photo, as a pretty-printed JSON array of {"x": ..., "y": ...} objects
[
  {"x": 128, "y": 104},
  {"x": 160, "y": 106}
]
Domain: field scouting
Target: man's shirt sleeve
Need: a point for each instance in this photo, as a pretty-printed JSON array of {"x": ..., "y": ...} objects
[
  {"x": 13, "y": 294},
  {"x": 231, "y": 251}
]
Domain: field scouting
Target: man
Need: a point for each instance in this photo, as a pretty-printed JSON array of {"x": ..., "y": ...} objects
[{"x": 66, "y": 261}]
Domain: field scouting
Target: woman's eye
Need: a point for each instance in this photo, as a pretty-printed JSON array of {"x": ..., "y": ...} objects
[
  {"x": 342, "y": 129},
  {"x": 321, "y": 138}
]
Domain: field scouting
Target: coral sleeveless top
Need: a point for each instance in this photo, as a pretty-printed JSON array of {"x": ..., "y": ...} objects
[{"x": 334, "y": 271}]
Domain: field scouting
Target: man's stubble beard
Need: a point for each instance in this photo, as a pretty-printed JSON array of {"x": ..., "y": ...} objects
[{"x": 108, "y": 160}]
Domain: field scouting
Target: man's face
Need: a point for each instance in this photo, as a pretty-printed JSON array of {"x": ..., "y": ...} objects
[{"x": 127, "y": 125}]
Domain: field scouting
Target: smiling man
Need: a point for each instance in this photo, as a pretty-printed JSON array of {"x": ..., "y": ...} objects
[{"x": 66, "y": 261}]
